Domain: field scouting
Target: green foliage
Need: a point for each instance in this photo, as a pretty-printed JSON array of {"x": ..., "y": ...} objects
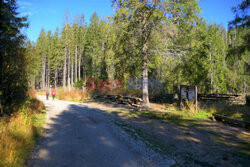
[
  {"x": 238, "y": 53},
  {"x": 13, "y": 73},
  {"x": 79, "y": 84},
  {"x": 181, "y": 48}
]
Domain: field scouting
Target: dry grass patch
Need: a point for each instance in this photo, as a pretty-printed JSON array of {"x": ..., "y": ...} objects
[
  {"x": 74, "y": 95},
  {"x": 19, "y": 133}
]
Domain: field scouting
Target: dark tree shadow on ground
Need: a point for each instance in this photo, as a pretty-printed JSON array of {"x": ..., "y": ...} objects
[{"x": 79, "y": 137}]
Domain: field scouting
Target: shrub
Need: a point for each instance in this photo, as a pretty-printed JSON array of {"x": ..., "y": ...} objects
[{"x": 79, "y": 84}]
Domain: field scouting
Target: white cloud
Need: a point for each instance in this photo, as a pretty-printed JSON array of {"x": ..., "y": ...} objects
[
  {"x": 25, "y": 13},
  {"x": 26, "y": 8},
  {"x": 24, "y": 4}
]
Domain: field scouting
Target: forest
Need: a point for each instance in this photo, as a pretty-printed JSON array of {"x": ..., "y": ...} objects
[{"x": 164, "y": 40}]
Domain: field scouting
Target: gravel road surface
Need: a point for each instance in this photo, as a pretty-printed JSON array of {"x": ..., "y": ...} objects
[{"x": 78, "y": 135}]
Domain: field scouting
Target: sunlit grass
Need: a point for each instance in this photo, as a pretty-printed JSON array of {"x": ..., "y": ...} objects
[
  {"x": 177, "y": 116},
  {"x": 74, "y": 95},
  {"x": 19, "y": 133}
]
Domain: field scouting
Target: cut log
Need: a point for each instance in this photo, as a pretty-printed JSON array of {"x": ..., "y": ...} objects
[{"x": 232, "y": 121}]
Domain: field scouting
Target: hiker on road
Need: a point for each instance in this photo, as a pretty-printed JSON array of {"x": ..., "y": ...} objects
[
  {"x": 53, "y": 93},
  {"x": 47, "y": 94}
]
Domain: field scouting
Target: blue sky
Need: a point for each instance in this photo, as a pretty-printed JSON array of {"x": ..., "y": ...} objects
[{"x": 49, "y": 14}]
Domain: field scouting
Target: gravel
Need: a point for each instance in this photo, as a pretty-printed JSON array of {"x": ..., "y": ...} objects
[{"x": 79, "y": 135}]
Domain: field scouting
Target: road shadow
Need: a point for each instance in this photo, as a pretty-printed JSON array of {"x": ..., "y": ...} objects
[{"x": 80, "y": 136}]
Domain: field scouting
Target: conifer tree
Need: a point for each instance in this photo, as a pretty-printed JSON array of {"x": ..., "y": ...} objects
[{"x": 13, "y": 73}]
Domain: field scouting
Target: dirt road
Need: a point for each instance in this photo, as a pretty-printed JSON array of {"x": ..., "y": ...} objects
[{"x": 78, "y": 135}]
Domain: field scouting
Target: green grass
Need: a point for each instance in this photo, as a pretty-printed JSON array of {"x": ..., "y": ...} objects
[
  {"x": 180, "y": 117},
  {"x": 239, "y": 112},
  {"x": 188, "y": 117}
]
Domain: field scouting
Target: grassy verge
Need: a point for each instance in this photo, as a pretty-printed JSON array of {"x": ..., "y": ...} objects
[
  {"x": 239, "y": 112},
  {"x": 73, "y": 95},
  {"x": 186, "y": 117},
  {"x": 19, "y": 133},
  {"x": 171, "y": 115}
]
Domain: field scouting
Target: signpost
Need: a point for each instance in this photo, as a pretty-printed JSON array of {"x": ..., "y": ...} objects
[
  {"x": 176, "y": 92},
  {"x": 183, "y": 90},
  {"x": 188, "y": 93}
]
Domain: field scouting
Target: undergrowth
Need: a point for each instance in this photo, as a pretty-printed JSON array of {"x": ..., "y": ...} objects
[{"x": 19, "y": 133}]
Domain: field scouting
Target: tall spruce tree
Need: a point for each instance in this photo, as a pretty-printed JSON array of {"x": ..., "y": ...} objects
[{"x": 13, "y": 74}]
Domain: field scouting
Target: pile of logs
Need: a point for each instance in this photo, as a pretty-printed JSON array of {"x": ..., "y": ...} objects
[
  {"x": 168, "y": 98},
  {"x": 134, "y": 101},
  {"x": 229, "y": 98},
  {"x": 235, "y": 99},
  {"x": 238, "y": 100}
]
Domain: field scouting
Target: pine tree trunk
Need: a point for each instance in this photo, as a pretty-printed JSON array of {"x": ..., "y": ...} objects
[
  {"x": 69, "y": 88},
  {"x": 79, "y": 67},
  {"x": 145, "y": 102},
  {"x": 72, "y": 72},
  {"x": 64, "y": 67},
  {"x": 48, "y": 74},
  {"x": 211, "y": 69},
  {"x": 43, "y": 73},
  {"x": 55, "y": 82},
  {"x": 76, "y": 56},
  {"x": 34, "y": 83},
  {"x": 145, "y": 80}
]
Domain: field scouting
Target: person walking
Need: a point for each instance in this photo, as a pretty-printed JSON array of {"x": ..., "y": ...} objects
[
  {"x": 47, "y": 94},
  {"x": 53, "y": 93}
]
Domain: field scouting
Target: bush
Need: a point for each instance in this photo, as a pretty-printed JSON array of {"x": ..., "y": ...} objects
[{"x": 79, "y": 84}]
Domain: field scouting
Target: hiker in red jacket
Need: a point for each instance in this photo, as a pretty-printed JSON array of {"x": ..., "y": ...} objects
[{"x": 53, "y": 93}]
